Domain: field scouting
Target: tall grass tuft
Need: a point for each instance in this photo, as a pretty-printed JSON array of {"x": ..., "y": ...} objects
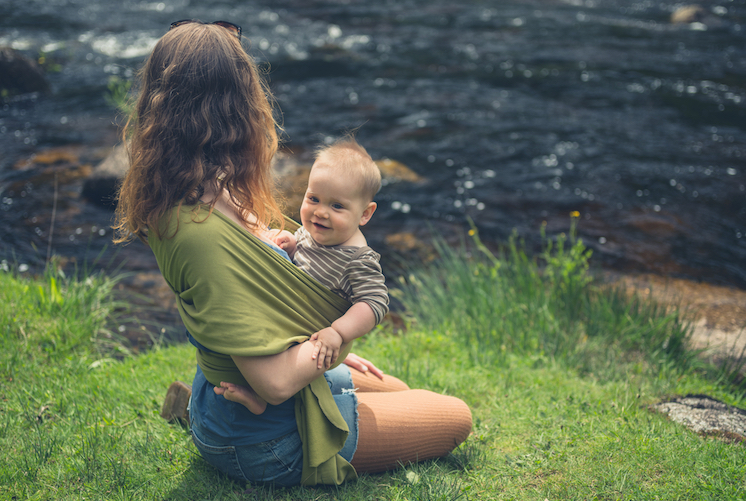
[
  {"x": 54, "y": 315},
  {"x": 506, "y": 304}
]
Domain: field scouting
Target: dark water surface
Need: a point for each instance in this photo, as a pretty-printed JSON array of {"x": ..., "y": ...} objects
[{"x": 515, "y": 112}]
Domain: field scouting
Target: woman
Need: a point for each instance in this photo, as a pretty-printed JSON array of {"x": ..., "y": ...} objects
[{"x": 199, "y": 192}]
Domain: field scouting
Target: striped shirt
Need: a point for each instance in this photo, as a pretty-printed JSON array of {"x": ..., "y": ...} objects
[{"x": 352, "y": 272}]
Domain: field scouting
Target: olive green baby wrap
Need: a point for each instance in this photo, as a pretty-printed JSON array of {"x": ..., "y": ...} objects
[{"x": 238, "y": 296}]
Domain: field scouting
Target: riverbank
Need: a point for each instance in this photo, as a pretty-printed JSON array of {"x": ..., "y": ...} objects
[
  {"x": 560, "y": 412},
  {"x": 717, "y": 313},
  {"x": 47, "y": 192}
]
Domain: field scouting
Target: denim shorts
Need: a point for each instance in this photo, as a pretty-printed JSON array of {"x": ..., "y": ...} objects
[{"x": 280, "y": 460}]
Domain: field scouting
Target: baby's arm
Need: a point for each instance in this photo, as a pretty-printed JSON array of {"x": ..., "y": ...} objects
[
  {"x": 284, "y": 240},
  {"x": 356, "y": 322}
]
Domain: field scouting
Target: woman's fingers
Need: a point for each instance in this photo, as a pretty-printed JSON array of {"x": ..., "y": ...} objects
[{"x": 363, "y": 365}]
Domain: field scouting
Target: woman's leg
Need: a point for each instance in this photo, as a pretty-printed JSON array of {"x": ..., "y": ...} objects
[
  {"x": 407, "y": 426},
  {"x": 367, "y": 382}
]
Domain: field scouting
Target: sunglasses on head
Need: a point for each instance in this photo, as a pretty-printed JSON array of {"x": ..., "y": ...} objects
[{"x": 233, "y": 28}]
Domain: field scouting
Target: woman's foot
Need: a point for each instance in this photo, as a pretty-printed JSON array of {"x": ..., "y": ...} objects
[
  {"x": 244, "y": 395},
  {"x": 175, "y": 406}
]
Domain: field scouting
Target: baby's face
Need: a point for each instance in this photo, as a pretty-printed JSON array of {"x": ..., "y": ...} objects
[{"x": 333, "y": 207}]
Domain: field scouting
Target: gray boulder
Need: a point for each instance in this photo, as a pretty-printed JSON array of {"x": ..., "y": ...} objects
[
  {"x": 19, "y": 74},
  {"x": 100, "y": 188}
]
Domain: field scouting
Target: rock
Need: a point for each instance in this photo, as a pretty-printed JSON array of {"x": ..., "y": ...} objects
[
  {"x": 707, "y": 416},
  {"x": 688, "y": 14},
  {"x": 291, "y": 175},
  {"x": 391, "y": 170},
  {"x": 663, "y": 225},
  {"x": 101, "y": 187},
  {"x": 19, "y": 74}
]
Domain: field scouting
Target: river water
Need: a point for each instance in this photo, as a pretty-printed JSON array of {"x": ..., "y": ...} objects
[{"x": 515, "y": 112}]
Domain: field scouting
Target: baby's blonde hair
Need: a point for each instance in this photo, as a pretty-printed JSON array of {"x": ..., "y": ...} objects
[{"x": 347, "y": 156}]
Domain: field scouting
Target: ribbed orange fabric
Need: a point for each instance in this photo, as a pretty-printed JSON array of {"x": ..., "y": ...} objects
[
  {"x": 365, "y": 381},
  {"x": 407, "y": 426}
]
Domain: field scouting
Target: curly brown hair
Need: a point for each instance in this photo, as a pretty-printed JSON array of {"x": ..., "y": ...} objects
[{"x": 204, "y": 115}]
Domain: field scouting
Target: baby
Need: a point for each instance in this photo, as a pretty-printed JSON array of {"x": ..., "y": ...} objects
[{"x": 330, "y": 247}]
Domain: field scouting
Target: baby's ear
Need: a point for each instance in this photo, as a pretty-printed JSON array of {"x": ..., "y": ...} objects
[{"x": 368, "y": 213}]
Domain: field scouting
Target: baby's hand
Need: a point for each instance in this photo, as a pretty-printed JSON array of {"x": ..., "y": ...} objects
[
  {"x": 328, "y": 343},
  {"x": 285, "y": 241}
]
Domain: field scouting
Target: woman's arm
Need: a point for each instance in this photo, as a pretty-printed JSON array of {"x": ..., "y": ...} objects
[{"x": 277, "y": 378}]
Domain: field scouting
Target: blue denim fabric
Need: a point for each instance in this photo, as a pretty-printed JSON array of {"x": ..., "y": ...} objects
[
  {"x": 280, "y": 460},
  {"x": 340, "y": 383}
]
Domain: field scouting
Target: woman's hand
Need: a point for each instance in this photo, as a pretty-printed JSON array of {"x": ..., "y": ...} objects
[{"x": 362, "y": 365}]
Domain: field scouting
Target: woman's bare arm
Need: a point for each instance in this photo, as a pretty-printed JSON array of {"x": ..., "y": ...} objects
[{"x": 277, "y": 378}]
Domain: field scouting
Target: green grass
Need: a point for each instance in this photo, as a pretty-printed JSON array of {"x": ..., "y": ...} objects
[
  {"x": 559, "y": 374},
  {"x": 511, "y": 305}
]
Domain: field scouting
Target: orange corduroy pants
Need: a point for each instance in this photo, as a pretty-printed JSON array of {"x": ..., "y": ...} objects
[{"x": 398, "y": 425}]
